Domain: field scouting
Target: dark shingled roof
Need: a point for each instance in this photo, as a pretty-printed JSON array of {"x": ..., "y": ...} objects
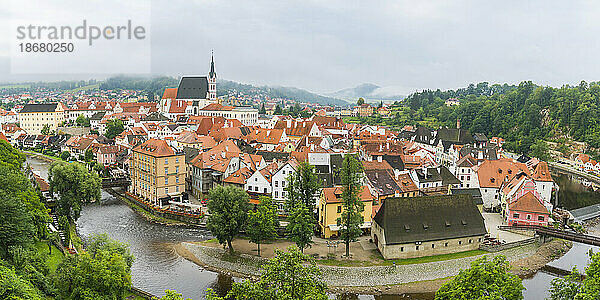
[
  {"x": 395, "y": 161},
  {"x": 447, "y": 176},
  {"x": 475, "y": 192},
  {"x": 155, "y": 116},
  {"x": 98, "y": 116},
  {"x": 269, "y": 155},
  {"x": 430, "y": 218},
  {"x": 39, "y": 107},
  {"x": 194, "y": 87},
  {"x": 190, "y": 153},
  {"x": 455, "y": 136},
  {"x": 424, "y": 135}
]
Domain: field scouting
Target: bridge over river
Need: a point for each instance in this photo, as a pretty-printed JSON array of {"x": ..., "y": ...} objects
[{"x": 565, "y": 168}]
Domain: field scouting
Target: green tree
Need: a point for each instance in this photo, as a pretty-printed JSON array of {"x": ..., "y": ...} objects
[
  {"x": 352, "y": 206},
  {"x": 74, "y": 185},
  {"x": 486, "y": 279},
  {"x": 101, "y": 244},
  {"x": 301, "y": 227},
  {"x": 576, "y": 286},
  {"x": 89, "y": 155},
  {"x": 65, "y": 155},
  {"x": 46, "y": 129},
  {"x": 262, "y": 222},
  {"x": 540, "y": 150},
  {"x": 228, "y": 210},
  {"x": 83, "y": 121},
  {"x": 16, "y": 228},
  {"x": 171, "y": 295},
  {"x": 10, "y": 157},
  {"x": 13, "y": 287},
  {"x": 262, "y": 109},
  {"x": 278, "y": 110},
  {"x": 114, "y": 127},
  {"x": 302, "y": 186},
  {"x": 101, "y": 274},
  {"x": 15, "y": 185},
  {"x": 360, "y": 101},
  {"x": 289, "y": 275}
]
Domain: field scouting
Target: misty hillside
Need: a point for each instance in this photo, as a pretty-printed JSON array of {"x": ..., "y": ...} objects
[
  {"x": 226, "y": 87},
  {"x": 367, "y": 91}
]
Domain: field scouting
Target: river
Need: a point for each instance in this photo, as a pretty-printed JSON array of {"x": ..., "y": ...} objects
[{"x": 158, "y": 267}]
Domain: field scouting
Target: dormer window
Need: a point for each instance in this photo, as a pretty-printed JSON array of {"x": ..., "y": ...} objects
[
  {"x": 406, "y": 227},
  {"x": 447, "y": 224}
]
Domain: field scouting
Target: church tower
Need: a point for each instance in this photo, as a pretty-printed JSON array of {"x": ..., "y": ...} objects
[{"x": 212, "y": 81}]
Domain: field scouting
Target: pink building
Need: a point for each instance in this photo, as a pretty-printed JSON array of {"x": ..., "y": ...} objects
[
  {"x": 526, "y": 207},
  {"x": 107, "y": 155}
]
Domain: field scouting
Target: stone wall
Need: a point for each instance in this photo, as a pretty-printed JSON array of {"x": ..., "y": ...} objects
[
  {"x": 429, "y": 248},
  {"x": 496, "y": 248}
]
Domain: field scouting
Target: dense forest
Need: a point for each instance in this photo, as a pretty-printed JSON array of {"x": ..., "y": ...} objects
[{"x": 523, "y": 114}]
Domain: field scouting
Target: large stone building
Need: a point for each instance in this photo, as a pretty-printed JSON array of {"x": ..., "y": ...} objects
[
  {"x": 157, "y": 172},
  {"x": 33, "y": 117},
  {"x": 424, "y": 226}
]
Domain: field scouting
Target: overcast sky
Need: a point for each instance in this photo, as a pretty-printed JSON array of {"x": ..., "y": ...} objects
[{"x": 324, "y": 46}]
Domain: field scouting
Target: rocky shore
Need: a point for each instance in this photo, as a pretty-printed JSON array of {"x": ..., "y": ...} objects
[{"x": 412, "y": 278}]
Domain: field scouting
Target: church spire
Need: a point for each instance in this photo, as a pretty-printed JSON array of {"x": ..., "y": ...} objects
[
  {"x": 212, "y": 73},
  {"x": 212, "y": 80}
]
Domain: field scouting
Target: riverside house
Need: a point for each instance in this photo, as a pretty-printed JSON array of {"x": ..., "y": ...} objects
[{"x": 157, "y": 172}]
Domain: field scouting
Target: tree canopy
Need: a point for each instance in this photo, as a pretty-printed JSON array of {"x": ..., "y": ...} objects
[
  {"x": 228, "y": 210},
  {"x": 289, "y": 275},
  {"x": 103, "y": 273},
  {"x": 352, "y": 206},
  {"x": 75, "y": 185},
  {"x": 10, "y": 157},
  {"x": 262, "y": 222},
  {"x": 83, "y": 121},
  {"x": 521, "y": 114},
  {"x": 114, "y": 127},
  {"x": 576, "y": 286},
  {"x": 486, "y": 279},
  {"x": 302, "y": 186}
]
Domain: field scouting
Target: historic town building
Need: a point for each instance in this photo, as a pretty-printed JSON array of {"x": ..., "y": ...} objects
[
  {"x": 157, "y": 172},
  {"x": 424, "y": 226}
]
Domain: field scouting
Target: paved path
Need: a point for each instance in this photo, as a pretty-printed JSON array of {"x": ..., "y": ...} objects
[{"x": 355, "y": 276}]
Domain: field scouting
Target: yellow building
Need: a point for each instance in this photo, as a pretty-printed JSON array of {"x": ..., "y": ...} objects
[
  {"x": 330, "y": 209},
  {"x": 157, "y": 171},
  {"x": 33, "y": 117}
]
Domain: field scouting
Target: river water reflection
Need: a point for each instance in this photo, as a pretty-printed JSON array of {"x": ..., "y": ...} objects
[{"x": 158, "y": 267}]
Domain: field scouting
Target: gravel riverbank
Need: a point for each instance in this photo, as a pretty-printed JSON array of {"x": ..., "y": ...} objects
[{"x": 376, "y": 279}]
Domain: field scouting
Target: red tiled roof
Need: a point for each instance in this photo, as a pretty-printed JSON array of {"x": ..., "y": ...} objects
[
  {"x": 334, "y": 194},
  {"x": 528, "y": 202},
  {"x": 170, "y": 93},
  {"x": 156, "y": 148}
]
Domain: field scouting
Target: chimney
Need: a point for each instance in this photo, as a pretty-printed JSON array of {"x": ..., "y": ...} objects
[{"x": 458, "y": 123}]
